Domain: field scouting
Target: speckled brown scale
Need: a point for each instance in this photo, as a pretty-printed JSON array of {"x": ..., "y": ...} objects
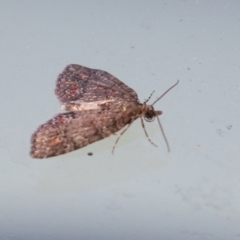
[{"x": 98, "y": 105}]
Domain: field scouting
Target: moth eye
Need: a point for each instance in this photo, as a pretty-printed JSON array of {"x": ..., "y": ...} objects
[
  {"x": 149, "y": 116},
  {"x": 149, "y": 119}
]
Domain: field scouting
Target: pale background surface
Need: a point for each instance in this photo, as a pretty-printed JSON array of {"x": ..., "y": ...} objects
[{"x": 141, "y": 192}]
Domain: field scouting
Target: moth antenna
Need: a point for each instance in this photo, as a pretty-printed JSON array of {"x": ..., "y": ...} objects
[
  {"x": 149, "y": 97},
  {"x": 120, "y": 136},
  {"x": 164, "y": 136},
  {"x": 166, "y": 92},
  {"x": 147, "y": 134}
]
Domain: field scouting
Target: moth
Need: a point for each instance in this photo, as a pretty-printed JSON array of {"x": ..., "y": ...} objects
[{"x": 97, "y": 105}]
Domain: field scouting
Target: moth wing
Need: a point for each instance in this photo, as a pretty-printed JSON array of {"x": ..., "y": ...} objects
[
  {"x": 84, "y": 84},
  {"x": 69, "y": 131}
]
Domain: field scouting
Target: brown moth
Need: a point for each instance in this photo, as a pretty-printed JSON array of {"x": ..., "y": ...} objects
[{"x": 97, "y": 104}]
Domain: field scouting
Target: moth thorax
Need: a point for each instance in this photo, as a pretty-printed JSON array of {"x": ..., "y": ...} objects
[{"x": 149, "y": 113}]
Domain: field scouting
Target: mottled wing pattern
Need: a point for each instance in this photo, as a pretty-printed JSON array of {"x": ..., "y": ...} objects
[
  {"x": 73, "y": 130},
  {"x": 79, "y": 83}
]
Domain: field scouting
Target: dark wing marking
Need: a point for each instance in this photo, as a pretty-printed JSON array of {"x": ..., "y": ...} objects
[
  {"x": 73, "y": 130},
  {"x": 85, "y": 84}
]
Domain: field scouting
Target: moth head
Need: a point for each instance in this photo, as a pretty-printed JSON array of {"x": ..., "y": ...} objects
[{"x": 150, "y": 113}]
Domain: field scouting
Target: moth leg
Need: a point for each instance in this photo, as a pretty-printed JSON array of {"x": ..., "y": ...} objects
[
  {"x": 147, "y": 134},
  {"x": 163, "y": 133},
  {"x": 121, "y": 135}
]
